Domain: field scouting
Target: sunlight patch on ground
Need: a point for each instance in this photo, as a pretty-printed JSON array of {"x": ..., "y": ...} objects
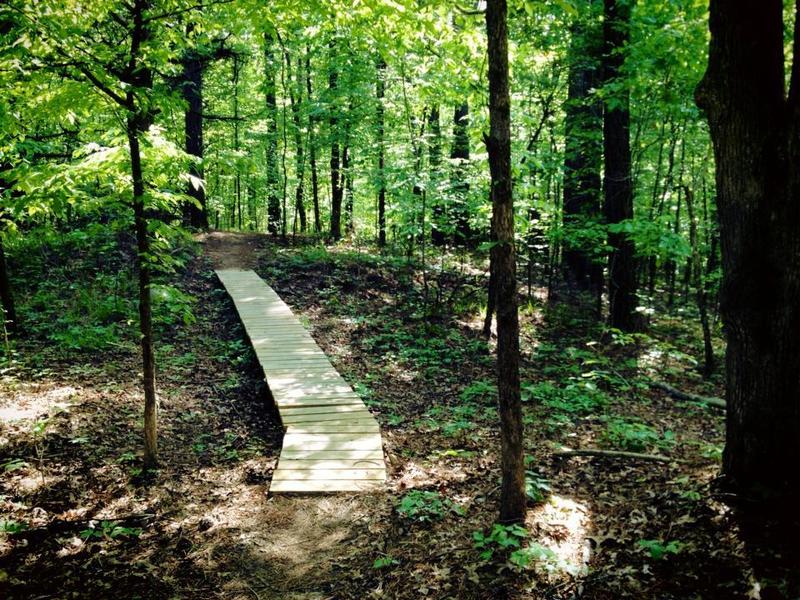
[
  {"x": 415, "y": 475},
  {"x": 652, "y": 358},
  {"x": 34, "y": 402},
  {"x": 562, "y": 525}
]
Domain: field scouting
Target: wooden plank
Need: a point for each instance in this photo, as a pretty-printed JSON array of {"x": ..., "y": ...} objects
[
  {"x": 312, "y": 401},
  {"x": 323, "y": 380},
  {"x": 288, "y": 411},
  {"x": 301, "y": 343},
  {"x": 317, "y": 400},
  {"x": 270, "y": 350},
  {"x": 323, "y": 486},
  {"x": 358, "y": 414},
  {"x": 332, "y": 424},
  {"x": 326, "y": 441},
  {"x": 282, "y": 474},
  {"x": 306, "y": 366},
  {"x": 300, "y": 391},
  {"x": 342, "y": 454},
  {"x": 342, "y": 463},
  {"x": 336, "y": 427}
]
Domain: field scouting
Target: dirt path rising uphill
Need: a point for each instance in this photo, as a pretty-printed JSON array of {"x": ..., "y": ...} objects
[{"x": 231, "y": 250}]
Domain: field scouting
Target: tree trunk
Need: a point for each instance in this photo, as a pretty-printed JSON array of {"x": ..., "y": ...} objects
[
  {"x": 618, "y": 188},
  {"x": 438, "y": 222},
  {"x": 137, "y": 123},
  {"x": 583, "y": 152},
  {"x": 336, "y": 181},
  {"x": 143, "y": 259},
  {"x": 460, "y": 156},
  {"x": 498, "y": 144},
  {"x": 700, "y": 286},
  {"x": 195, "y": 213},
  {"x": 7, "y": 298},
  {"x": 300, "y": 162},
  {"x": 380, "y": 92},
  {"x": 273, "y": 201},
  {"x": 755, "y": 129},
  {"x": 238, "y": 179},
  {"x": 312, "y": 150}
]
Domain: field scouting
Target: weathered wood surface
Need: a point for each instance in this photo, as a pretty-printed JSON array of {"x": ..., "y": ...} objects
[{"x": 332, "y": 441}]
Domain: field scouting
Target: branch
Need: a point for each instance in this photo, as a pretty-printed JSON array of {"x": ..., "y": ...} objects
[
  {"x": 94, "y": 80},
  {"x": 223, "y": 118},
  {"x": 103, "y": 87},
  {"x": 679, "y": 395},
  {"x": 175, "y": 13},
  {"x": 469, "y": 12},
  {"x": 594, "y": 452}
]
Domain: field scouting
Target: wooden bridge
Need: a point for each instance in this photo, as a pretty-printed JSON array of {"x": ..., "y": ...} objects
[{"x": 332, "y": 442}]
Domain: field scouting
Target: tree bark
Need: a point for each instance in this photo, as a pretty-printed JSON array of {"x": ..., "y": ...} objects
[
  {"x": 296, "y": 99},
  {"x": 336, "y": 175},
  {"x": 583, "y": 152},
  {"x": 273, "y": 201},
  {"x": 498, "y": 144},
  {"x": 755, "y": 129},
  {"x": 6, "y": 296},
  {"x": 618, "y": 204},
  {"x": 701, "y": 293},
  {"x": 438, "y": 223},
  {"x": 312, "y": 150},
  {"x": 195, "y": 214},
  {"x": 138, "y": 122},
  {"x": 380, "y": 92},
  {"x": 235, "y": 72},
  {"x": 348, "y": 188},
  {"x": 460, "y": 156}
]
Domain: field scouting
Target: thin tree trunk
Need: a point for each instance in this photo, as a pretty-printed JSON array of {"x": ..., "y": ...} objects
[
  {"x": 312, "y": 150},
  {"x": 618, "y": 205},
  {"x": 300, "y": 163},
  {"x": 238, "y": 179},
  {"x": 498, "y": 144},
  {"x": 137, "y": 123},
  {"x": 273, "y": 201},
  {"x": 460, "y": 156},
  {"x": 336, "y": 182},
  {"x": 349, "y": 225},
  {"x": 284, "y": 151},
  {"x": 380, "y": 92},
  {"x": 700, "y": 285},
  {"x": 6, "y": 296}
]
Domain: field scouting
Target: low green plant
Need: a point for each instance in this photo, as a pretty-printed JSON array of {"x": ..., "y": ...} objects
[
  {"x": 13, "y": 465},
  {"x": 576, "y": 398},
  {"x": 634, "y": 436},
  {"x": 537, "y": 487},
  {"x": 507, "y": 543},
  {"x": 425, "y": 506},
  {"x": 659, "y": 549},
  {"x": 109, "y": 530},
  {"x": 12, "y": 527},
  {"x": 384, "y": 562},
  {"x": 480, "y": 390},
  {"x": 501, "y": 539}
]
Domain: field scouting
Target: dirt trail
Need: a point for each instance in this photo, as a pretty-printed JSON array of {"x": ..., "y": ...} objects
[
  {"x": 232, "y": 250},
  {"x": 287, "y": 547}
]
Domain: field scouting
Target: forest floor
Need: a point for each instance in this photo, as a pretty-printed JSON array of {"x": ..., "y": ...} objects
[{"x": 81, "y": 520}]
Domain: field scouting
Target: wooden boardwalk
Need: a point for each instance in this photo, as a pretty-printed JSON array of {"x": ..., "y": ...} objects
[{"x": 332, "y": 442}]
